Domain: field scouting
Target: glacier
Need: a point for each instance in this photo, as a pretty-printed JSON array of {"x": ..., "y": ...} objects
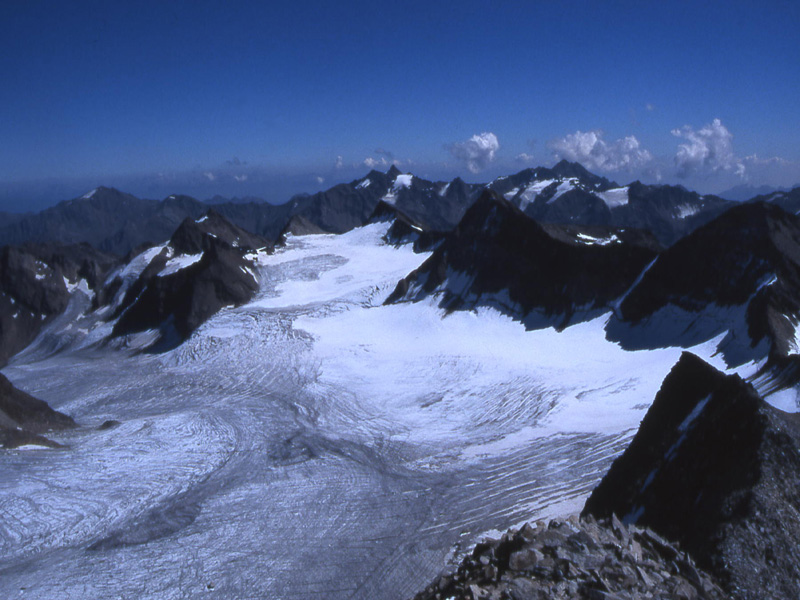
[{"x": 311, "y": 443}]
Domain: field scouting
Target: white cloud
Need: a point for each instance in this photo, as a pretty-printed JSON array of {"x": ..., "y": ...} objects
[
  {"x": 320, "y": 179},
  {"x": 240, "y": 178},
  {"x": 707, "y": 149},
  {"x": 210, "y": 176},
  {"x": 754, "y": 159},
  {"x": 525, "y": 158},
  {"x": 477, "y": 152},
  {"x": 649, "y": 107},
  {"x": 376, "y": 162},
  {"x": 589, "y": 149},
  {"x": 339, "y": 162}
]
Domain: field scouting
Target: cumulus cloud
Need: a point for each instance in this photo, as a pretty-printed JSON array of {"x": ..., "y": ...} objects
[
  {"x": 375, "y": 162},
  {"x": 210, "y": 176},
  {"x": 339, "y": 162},
  {"x": 649, "y": 107},
  {"x": 320, "y": 179},
  {"x": 477, "y": 152},
  {"x": 240, "y": 178},
  {"x": 707, "y": 149},
  {"x": 593, "y": 152},
  {"x": 525, "y": 158},
  {"x": 754, "y": 159}
]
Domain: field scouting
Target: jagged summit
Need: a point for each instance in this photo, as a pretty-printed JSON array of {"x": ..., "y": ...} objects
[
  {"x": 196, "y": 235},
  {"x": 206, "y": 265},
  {"x": 393, "y": 172}
]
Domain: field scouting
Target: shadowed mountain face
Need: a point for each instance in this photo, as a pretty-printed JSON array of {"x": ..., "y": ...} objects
[
  {"x": 23, "y": 418},
  {"x": 739, "y": 273},
  {"x": 35, "y": 285},
  {"x": 206, "y": 265},
  {"x": 718, "y": 470},
  {"x": 788, "y": 200},
  {"x": 544, "y": 275}
]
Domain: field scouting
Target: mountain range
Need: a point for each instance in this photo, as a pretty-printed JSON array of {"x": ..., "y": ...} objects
[
  {"x": 457, "y": 356},
  {"x": 116, "y": 222}
]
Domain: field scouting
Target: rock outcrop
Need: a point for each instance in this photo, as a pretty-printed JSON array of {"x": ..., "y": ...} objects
[
  {"x": 717, "y": 469},
  {"x": 24, "y": 418},
  {"x": 543, "y": 275},
  {"x": 206, "y": 265},
  {"x": 740, "y": 274},
  {"x": 36, "y": 281},
  {"x": 575, "y": 559}
]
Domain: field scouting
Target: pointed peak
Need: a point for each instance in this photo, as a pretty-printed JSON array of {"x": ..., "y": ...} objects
[{"x": 393, "y": 171}]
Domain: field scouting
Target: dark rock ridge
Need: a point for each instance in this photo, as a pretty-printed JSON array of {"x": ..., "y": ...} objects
[
  {"x": 207, "y": 265},
  {"x": 35, "y": 281},
  {"x": 543, "y": 275},
  {"x": 404, "y": 229},
  {"x": 740, "y": 273},
  {"x": 744, "y": 192},
  {"x": 106, "y": 218},
  {"x": 24, "y": 418},
  {"x": 574, "y": 559},
  {"x": 117, "y": 222},
  {"x": 788, "y": 200},
  {"x": 718, "y": 470}
]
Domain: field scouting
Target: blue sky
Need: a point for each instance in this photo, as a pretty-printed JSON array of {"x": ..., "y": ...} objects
[{"x": 269, "y": 99}]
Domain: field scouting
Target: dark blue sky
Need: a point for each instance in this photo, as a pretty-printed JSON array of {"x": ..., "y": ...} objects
[{"x": 275, "y": 98}]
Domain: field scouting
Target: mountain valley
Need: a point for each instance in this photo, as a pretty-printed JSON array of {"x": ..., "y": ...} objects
[{"x": 340, "y": 396}]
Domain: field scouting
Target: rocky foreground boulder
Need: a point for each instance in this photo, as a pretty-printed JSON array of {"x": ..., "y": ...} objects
[
  {"x": 24, "y": 418},
  {"x": 575, "y": 558},
  {"x": 717, "y": 469}
]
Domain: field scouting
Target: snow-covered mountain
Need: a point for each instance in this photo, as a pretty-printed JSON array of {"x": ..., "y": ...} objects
[
  {"x": 564, "y": 194},
  {"x": 568, "y": 193},
  {"x": 36, "y": 281},
  {"x": 376, "y": 440},
  {"x": 738, "y": 275},
  {"x": 541, "y": 274},
  {"x": 375, "y": 399}
]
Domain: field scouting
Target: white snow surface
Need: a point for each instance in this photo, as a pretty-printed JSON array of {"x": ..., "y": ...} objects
[
  {"x": 686, "y": 210},
  {"x": 564, "y": 187},
  {"x": 615, "y": 197},
  {"x": 403, "y": 181},
  {"x": 179, "y": 262},
  {"x": 130, "y": 273},
  {"x": 595, "y": 241},
  {"x": 313, "y": 443},
  {"x": 532, "y": 191},
  {"x": 89, "y": 194}
]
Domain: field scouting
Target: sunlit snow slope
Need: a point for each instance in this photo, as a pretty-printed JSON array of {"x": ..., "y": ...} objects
[{"x": 313, "y": 443}]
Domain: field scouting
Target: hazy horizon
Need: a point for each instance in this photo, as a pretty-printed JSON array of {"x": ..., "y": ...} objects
[{"x": 202, "y": 99}]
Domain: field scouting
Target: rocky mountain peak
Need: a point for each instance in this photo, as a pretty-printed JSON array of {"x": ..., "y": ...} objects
[{"x": 717, "y": 469}]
